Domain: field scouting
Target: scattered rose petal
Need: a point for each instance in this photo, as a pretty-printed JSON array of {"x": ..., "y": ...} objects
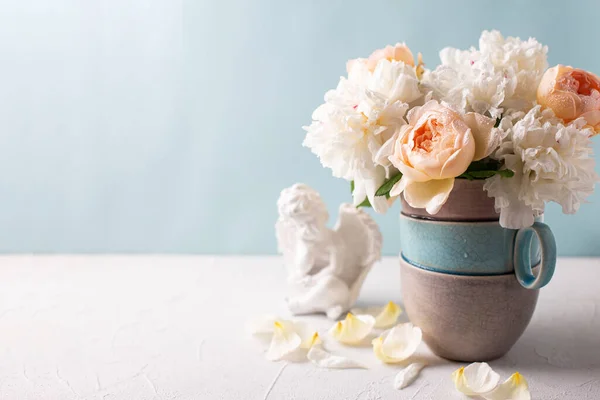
[
  {"x": 353, "y": 329},
  {"x": 476, "y": 379},
  {"x": 408, "y": 375},
  {"x": 308, "y": 335},
  {"x": 284, "y": 341},
  {"x": 514, "y": 388},
  {"x": 397, "y": 344},
  {"x": 384, "y": 316},
  {"x": 322, "y": 358}
]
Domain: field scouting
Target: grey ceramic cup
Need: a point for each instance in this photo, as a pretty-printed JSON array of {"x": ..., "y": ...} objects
[
  {"x": 467, "y": 318},
  {"x": 467, "y": 202}
]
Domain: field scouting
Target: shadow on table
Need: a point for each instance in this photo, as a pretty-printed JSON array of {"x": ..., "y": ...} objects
[{"x": 571, "y": 343}]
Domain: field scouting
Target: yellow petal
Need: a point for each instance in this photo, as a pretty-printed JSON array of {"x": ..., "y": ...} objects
[
  {"x": 397, "y": 344},
  {"x": 314, "y": 340},
  {"x": 514, "y": 388},
  {"x": 353, "y": 329},
  {"x": 284, "y": 341},
  {"x": 307, "y": 334},
  {"x": 388, "y": 316},
  {"x": 430, "y": 195},
  {"x": 385, "y": 317},
  {"x": 476, "y": 379}
]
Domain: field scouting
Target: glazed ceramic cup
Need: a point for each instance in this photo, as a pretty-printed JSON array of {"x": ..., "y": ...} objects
[
  {"x": 467, "y": 318},
  {"x": 479, "y": 248}
]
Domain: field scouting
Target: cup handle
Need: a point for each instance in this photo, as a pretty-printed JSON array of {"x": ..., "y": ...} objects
[{"x": 522, "y": 256}]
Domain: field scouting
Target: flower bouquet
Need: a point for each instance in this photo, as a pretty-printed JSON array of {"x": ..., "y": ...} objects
[
  {"x": 474, "y": 148},
  {"x": 496, "y": 114}
]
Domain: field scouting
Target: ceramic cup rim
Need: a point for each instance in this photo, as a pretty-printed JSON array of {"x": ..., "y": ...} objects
[
  {"x": 503, "y": 276},
  {"x": 446, "y": 222}
]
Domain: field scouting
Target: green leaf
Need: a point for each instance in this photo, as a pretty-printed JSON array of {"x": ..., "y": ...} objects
[
  {"x": 351, "y": 187},
  {"x": 470, "y": 175},
  {"x": 482, "y": 174},
  {"x": 384, "y": 190},
  {"x": 487, "y": 164},
  {"x": 506, "y": 173},
  {"x": 365, "y": 203}
]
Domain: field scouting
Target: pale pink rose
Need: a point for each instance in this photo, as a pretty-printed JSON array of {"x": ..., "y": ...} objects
[
  {"x": 399, "y": 52},
  {"x": 571, "y": 93},
  {"x": 436, "y": 146}
]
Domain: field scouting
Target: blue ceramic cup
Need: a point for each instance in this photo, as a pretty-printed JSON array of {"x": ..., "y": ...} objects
[{"x": 479, "y": 248}]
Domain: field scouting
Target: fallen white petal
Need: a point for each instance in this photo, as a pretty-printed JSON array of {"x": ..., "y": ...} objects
[
  {"x": 408, "y": 375},
  {"x": 397, "y": 344},
  {"x": 384, "y": 316},
  {"x": 353, "y": 329},
  {"x": 514, "y": 388},
  {"x": 476, "y": 379},
  {"x": 284, "y": 341},
  {"x": 307, "y": 334},
  {"x": 322, "y": 358}
]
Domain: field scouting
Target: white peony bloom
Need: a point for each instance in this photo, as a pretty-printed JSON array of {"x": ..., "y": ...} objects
[
  {"x": 502, "y": 74},
  {"x": 357, "y": 118},
  {"x": 551, "y": 162}
]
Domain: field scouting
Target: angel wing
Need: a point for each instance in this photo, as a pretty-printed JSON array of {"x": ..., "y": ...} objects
[{"x": 358, "y": 242}]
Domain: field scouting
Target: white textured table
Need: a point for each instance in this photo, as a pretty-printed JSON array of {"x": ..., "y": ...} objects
[{"x": 159, "y": 327}]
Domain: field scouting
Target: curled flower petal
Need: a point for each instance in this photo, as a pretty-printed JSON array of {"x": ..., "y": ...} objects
[
  {"x": 307, "y": 334},
  {"x": 322, "y": 358},
  {"x": 311, "y": 341},
  {"x": 407, "y": 375},
  {"x": 353, "y": 329},
  {"x": 284, "y": 341},
  {"x": 476, "y": 379},
  {"x": 397, "y": 344},
  {"x": 514, "y": 388},
  {"x": 431, "y": 195},
  {"x": 384, "y": 316}
]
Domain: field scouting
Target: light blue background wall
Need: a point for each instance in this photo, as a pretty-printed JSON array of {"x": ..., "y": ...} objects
[{"x": 171, "y": 126}]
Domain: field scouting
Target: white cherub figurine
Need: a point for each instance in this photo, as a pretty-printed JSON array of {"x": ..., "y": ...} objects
[{"x": 326, "y": 268}]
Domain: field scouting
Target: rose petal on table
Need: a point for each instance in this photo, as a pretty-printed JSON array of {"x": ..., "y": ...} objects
[
  {"x": 353, "y": 329},
  {"x": 384, "y": 316},
  {"x": 322, "y": 358},
  {"x": 408, "y": 375},
  {"x": 514, "y": 388},
  {"x": 476, "y": 379},
  {"x": 284, "y": 341},
  {"x": 397, "y": 344}
]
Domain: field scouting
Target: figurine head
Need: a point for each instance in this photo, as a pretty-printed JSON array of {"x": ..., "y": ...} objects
[{"x": 302, "y": 204}]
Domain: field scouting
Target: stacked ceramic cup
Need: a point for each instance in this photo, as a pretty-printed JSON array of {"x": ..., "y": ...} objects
[{"x": 468, "y": 283}]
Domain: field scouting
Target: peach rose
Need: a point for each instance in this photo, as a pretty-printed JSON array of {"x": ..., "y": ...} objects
[
  {"x": 399, "y": 52},
  {"x": 571, "y": 93},
  {"x": 436, "y": 146}
]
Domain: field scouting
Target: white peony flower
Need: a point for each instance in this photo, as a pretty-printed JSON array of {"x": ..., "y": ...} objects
[
  {"x": 357, "y": 118},
  {"x": 551, "y": 162},
  {"x": 501, "y": 74}
]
